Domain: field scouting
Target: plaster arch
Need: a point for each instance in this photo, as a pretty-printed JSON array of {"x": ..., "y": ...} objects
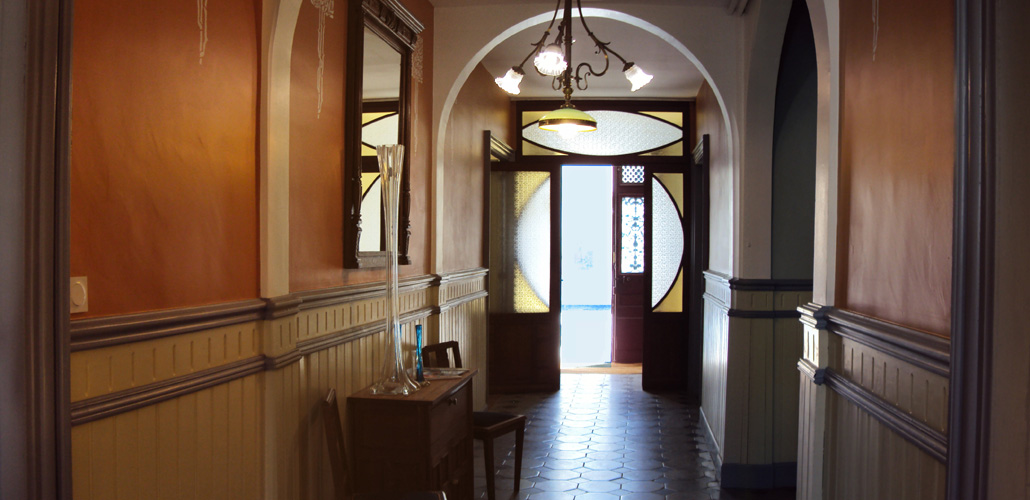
[
  {"x": 752, "y": 170},
  {"x": 277, "y": 32},
  {"x": 457, "y": 56},
  {"x": 825, "y": 17}
]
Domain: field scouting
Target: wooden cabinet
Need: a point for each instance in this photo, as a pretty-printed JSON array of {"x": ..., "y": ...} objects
[{"x": 417, "y": 442}]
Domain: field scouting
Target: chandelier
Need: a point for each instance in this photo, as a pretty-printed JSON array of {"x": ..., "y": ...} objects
[{"x": 554, "y": 61}]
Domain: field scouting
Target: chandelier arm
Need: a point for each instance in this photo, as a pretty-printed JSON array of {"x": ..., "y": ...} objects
[
  {"x": 590, "y": 71},
  {"x": 601, "y": 45}
]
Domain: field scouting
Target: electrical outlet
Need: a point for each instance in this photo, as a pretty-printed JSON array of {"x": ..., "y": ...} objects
[{"x": 79, "y": 295}]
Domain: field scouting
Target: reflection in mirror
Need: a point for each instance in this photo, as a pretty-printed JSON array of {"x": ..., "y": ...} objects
[
  {"x": 372, "y": 213},
  {"x": 381, "y": 37},
  {"x": 380, "y": 124}
]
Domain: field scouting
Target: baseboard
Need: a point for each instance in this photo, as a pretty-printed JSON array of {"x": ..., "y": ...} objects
[
  {"x": 710, "y": 440},
  {"x": 759, "y": 476}
]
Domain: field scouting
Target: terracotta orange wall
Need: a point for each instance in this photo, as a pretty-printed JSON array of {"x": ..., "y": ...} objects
[
  {"x": 480, "y": 106},
  {"x": 710, "y": 121},
  {"x": 316, "y": 154},
  {"x": 163, "y": 158},
  {"x": 897, "y": 160}
]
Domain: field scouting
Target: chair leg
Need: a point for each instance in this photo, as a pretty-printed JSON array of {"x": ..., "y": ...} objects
[
  {"x": 488, "y": 460},
  {"x": 518, "y": 457}
]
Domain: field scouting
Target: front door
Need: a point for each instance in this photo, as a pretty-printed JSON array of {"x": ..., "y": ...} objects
[{"x": 628, "y": 286}]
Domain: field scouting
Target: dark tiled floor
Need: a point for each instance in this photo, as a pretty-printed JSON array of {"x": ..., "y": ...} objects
[{"x": 602, "y": 438}]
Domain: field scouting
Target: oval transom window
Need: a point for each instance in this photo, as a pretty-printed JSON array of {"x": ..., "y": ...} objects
[{"x": 618, "y": 133}]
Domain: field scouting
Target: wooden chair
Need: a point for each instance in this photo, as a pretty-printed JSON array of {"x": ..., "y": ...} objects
[
  {"x": 486, "y": 425},
  {"x": 338, "y": 460}
]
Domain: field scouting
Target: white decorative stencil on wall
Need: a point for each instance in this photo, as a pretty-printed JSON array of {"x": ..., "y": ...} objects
[
  {"x": 325, "y": 9},
  {"x": 202, "y": 24},
  {"x": 416, "y": 74},
  {"x": 876, "y": 25}
]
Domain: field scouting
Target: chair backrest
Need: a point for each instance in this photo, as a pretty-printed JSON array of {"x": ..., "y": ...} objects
[
  {"x": 337, "y": 449},
  {"x": 436, "y": 355}
]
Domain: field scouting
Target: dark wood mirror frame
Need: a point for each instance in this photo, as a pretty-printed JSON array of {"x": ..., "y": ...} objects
[{"x": 399, "y": 29}]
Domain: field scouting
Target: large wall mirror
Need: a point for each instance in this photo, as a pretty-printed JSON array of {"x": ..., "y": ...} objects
[{"x": 381, "y": 36}]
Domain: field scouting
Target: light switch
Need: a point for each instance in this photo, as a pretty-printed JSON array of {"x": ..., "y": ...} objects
[{"x": 79, "y": 295}]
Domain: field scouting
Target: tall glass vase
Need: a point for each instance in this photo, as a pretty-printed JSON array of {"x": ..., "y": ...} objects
[{"x": 394, "y": 379}]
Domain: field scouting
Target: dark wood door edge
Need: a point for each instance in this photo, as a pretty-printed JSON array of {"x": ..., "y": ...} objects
[{"x": 972, "y": 300}]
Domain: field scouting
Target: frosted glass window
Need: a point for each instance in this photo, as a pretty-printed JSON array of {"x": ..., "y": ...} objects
[
  {"x": 618, "y": 133},
  {"x": 632, "y": 174},
  {"x": 520, "y": 246},
  {"x": 631, "y": 253},
  {"x": 666, "y": 237}
]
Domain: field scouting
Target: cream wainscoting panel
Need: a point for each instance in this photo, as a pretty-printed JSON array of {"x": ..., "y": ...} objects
[
  {"x": 874, "y": 409},
  {"x": 107, "y": 370},
  {"x": 463, "y": 318},
  {"x": 714, "y": 369},
  {"x": 202, "y": 445},
  {"x": 869, "y": 460},
  {"x": 233, "y": 411},
  {"x": 750, "y": 396}
]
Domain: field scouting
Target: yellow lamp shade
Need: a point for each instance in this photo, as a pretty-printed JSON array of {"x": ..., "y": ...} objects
[{"x": 568, "y": 119}]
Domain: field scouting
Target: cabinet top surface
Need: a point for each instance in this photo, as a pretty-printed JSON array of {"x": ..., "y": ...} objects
[{"x": 435, "y": 391}]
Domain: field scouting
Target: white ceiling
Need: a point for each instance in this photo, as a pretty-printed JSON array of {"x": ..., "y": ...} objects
[{"x": 674, "y": 75}]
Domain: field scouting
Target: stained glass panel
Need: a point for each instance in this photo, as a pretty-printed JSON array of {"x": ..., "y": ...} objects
[
  {"x": 618, "y": 133},
  {"x": 520, "y": 246},
  {"x": 666, "y": 237},
  {"x": 631, "y": 253},
  {"x": 632, "y": 174}
]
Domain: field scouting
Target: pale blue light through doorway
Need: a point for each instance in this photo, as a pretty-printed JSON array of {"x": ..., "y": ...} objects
[{"x": 586, "y": 241}]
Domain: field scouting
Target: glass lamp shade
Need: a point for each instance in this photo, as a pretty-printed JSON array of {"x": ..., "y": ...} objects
[
  {"x": 550, "y": 61},
  {"x": 510, "y": 81},
  {"x": 568, "y": 119},
  {"x": 636, "y": 76}
]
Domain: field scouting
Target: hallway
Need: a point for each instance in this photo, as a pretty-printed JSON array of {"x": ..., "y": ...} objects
[{"x": 602, "y": 438}]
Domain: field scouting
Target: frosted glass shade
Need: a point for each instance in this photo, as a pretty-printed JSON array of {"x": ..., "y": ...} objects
[
  {"x": 510, "y": 81},
  {"x": 550, "y": 61},
  {"x": 636, "y": 76}
]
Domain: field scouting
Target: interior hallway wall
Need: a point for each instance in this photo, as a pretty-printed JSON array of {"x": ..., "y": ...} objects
[
  {"x": 710, "y": 121},
  {"x": 316, "y": 152},
  {"x": 897, "y": 161},
  {"x": 480, "y": 106},
  {"x": 184, "y": 381},
  {"x": 163, "y": 157},
  {"x": 876, "y": 362}
]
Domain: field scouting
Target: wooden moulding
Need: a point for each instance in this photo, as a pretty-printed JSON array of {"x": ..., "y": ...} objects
[
  {"x": 130, "y": 399},
  {"x": 910, "y": 346},
  {"x": 915, "y": 347},
  {"x": 927, "y": 439},
  {"x": 103, "y": 332},
  {"x": 94, "y": 333}
]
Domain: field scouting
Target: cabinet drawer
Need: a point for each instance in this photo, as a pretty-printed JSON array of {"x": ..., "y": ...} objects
[{"x": 450, "y": 419}]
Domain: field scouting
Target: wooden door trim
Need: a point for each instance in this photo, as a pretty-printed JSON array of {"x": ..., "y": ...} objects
[
  {"x": 35, "y": 302},
  {"x": 972, "y": 299}
]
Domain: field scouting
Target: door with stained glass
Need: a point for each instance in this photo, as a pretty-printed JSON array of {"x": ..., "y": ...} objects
[
  {"x": 665, "y": 350},
  {"x": 646, "y": 141},
  {"x": 629, "y": 247},
  {"x": 524, "y": 295}
]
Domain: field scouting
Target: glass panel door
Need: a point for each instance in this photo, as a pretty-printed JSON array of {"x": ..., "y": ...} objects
[{"x": 524, "y": 308}]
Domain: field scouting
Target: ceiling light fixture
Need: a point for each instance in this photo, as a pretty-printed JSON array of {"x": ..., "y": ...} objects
[{"x": 552, "y": 61}]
